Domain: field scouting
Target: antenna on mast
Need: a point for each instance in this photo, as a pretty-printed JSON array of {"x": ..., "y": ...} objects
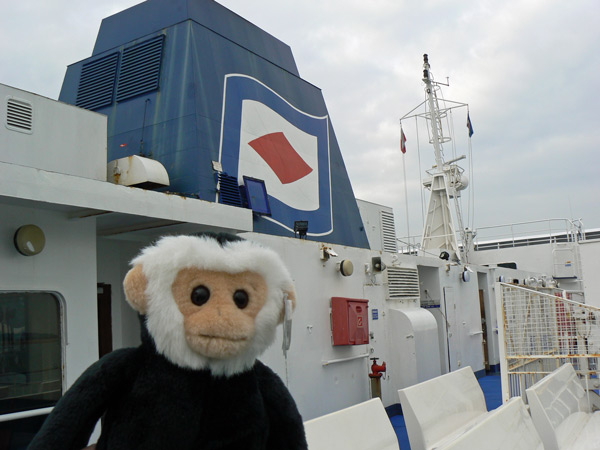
[{"x": 436, "y": 125}]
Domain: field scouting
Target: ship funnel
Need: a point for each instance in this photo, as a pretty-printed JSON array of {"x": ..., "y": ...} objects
[{"x": 245, "y": 108}]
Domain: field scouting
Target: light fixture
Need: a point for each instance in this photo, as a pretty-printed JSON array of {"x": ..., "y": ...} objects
[
  {"x": 445, "y": 255},
  {"x": 346, "y": 268},
  {"x": 300, "y": 228},
  {"x": 29, "y": 240}
]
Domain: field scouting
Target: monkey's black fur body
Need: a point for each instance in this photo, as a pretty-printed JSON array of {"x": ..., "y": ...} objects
[{"x": 149, "y": 403}]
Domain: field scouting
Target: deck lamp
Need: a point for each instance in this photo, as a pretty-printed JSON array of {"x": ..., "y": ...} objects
[
  {"x": 29, "y": 240},
  {"x": 346, "y": 267}
]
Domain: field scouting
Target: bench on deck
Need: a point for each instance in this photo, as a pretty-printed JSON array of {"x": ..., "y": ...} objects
[
  {"x": 437, "y": 411},
  {"x": 561, "y": 412},
  {"x": 508, "y": 427},
  {"x": 365, "y": 426}
]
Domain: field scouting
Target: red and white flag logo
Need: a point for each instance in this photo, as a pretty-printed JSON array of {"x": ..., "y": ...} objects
[
  {"x": 269, "y": 139},
  {"x": 276, "y": 151}
]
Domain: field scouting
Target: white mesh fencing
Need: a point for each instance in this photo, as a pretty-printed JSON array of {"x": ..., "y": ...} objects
[{"x": 539, "y": 332}]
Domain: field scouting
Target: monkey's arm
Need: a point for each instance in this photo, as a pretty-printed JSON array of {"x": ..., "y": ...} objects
[
  {"x": 286, "y": 429},
  {"x": 74, "y": 417}
]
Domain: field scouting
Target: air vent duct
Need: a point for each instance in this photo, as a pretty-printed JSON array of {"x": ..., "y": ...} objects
[{"x": 137, "y": 171}]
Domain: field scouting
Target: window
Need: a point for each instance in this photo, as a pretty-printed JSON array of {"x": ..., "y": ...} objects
[{"x": 30, "y": 350}]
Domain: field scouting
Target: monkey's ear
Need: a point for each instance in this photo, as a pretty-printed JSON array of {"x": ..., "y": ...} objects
[
  {"x": 291, "y": 295},
  {"x": 135, "y": 289}
]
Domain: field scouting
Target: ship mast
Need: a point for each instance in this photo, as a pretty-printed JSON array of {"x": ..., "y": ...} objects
[{"x": 445, "y": 183}]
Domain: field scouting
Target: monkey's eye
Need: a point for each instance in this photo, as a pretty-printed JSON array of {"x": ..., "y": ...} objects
[
  {"x": 240, "y": 297},
  {"x": 200, "y": 295}
]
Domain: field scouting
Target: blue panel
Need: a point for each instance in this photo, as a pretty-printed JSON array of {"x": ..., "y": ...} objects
[{"x": 152, "y": 15}]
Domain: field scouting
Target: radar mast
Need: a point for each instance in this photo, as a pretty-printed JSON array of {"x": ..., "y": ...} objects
[{"x": 445, "y": 180}]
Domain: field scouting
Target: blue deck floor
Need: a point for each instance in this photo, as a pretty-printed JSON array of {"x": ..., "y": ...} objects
[{"x": 490, "y": 385}]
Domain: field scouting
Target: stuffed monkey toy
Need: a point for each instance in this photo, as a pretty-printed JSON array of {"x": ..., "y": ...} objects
[{"x": 209, "y": 306}]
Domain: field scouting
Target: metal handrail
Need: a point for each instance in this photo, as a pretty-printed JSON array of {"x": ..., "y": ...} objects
[
  {"x": 571, "y": 228},
  {"x": 25, "y": 414}
]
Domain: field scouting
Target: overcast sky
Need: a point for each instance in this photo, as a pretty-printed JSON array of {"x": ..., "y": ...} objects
[{"x": 529, "y": 70}]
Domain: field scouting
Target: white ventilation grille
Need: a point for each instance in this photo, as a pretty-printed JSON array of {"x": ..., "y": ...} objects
[
  {"x": 19, "y": 115},
  {"x": 403, "y": 283},
  {"x": 388, "y": 232}
]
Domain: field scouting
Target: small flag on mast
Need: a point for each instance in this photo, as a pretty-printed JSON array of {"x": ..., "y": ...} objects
[
  {"x": 402, "y": 141},
  {"x": 469, "y": 126}
]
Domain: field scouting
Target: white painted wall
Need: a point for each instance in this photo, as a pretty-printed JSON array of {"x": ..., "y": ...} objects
[
  {"x": 67, "y": 265},
  {"x": 536, "y": 259},
  {"x": 320, "y": 388},
  {"x": 64, "y": 139}
]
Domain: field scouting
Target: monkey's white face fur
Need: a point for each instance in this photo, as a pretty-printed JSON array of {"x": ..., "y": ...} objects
[{"x": 209, "y": 306}]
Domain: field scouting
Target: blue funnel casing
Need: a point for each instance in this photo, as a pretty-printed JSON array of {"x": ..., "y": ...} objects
[{"x": 220, "y": 103}]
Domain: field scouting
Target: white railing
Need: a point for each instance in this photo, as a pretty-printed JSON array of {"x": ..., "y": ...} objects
[
  {"x": 513, "y": 235},
  {"x": 409, "y": 244},
  {"x": 538, "y": 332},
  {"x": 529, "y": 233}
]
